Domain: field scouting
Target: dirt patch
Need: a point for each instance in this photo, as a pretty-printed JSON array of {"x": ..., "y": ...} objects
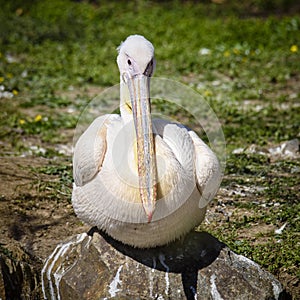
[
  {"x": 259, "y": 233},
  {"x": 29, "y": 215}
]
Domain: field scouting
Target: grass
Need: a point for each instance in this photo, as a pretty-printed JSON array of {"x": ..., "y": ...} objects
[
  {"x": 274, "y": 204},
  {"x": 242, "y": 58}
]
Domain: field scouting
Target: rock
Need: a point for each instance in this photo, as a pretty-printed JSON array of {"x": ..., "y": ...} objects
[
  {"x": 95, "y": 266},
  {"x": 287, "y": 149},
  {"x": 19, "y": 274}
]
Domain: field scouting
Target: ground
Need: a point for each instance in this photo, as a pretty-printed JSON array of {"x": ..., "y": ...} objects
[
  {"x": 38, "y": 222},
  {"x": 243, "y": 60},
  {"x": 39, "y": 217}
]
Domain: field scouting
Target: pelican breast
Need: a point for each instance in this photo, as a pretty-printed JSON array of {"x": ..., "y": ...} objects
[{"x": 114, "y": 191}]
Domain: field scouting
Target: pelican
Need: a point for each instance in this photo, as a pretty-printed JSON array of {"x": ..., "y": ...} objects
[{"x": 144, "y": 182}]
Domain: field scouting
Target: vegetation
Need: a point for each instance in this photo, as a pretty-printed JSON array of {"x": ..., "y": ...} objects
[{"x": 242, "y": 58}]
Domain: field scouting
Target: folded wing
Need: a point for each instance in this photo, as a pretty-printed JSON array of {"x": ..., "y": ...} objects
[{"x": 89, "y": 151}]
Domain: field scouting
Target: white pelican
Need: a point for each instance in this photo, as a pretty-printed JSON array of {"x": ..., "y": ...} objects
[{"x": 143, "y": 182}]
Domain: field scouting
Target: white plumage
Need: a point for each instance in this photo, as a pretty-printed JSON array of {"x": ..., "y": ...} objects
[{"x": 108, "y": 167}]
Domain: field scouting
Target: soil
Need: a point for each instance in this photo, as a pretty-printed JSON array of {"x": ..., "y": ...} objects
[{"x": 28, "y": 215}]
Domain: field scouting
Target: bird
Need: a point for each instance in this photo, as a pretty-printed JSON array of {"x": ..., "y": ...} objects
[{"x": 143, "y": 182}]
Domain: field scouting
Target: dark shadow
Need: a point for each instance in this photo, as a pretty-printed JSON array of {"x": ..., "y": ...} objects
[
  {"x": 185, "y": 256},
  {"x": 20, "y": 274}
]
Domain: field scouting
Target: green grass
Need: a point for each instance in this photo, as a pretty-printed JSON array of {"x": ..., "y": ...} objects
[
  {"x": 250, "y": 75},
  {"x": 58, "y": 44}
]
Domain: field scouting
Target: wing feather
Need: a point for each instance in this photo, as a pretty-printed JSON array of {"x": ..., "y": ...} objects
[
  {"x": 89, "y": 151},
  {"x": 206, "y": 165},
  {"x": 208, "y": 172}
]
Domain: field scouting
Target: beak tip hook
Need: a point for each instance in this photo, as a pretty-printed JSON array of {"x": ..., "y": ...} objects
[{"x": 150, "y": 214}]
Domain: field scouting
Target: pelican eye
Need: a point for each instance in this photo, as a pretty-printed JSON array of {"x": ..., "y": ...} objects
[{"x": 129, "y": 62}]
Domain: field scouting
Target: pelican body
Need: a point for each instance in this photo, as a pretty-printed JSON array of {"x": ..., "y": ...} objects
[{"x": 144, "y": 182}]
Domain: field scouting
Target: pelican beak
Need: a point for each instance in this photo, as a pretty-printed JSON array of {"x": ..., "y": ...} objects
[{"x": 139, "y": 89}]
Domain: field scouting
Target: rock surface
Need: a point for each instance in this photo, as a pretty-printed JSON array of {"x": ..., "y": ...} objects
[
  {"x": 19, "y": 274},
  {"x": 94, "y": 266}
]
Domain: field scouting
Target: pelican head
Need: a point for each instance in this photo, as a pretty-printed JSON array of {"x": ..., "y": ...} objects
[
  {"x": 136, "y": 63},
  {"x": 136, "y": 57}
]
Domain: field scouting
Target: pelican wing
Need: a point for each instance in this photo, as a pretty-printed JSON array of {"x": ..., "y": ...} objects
[
  {"x": 205, "y": 163},
  {"x": 89, "y": 151},
  {"x": 208, "y": 172}
]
